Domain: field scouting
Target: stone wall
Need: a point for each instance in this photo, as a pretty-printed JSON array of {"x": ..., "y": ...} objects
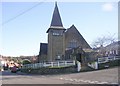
[
  {"x": 51, "y": 70},
  {"x": 55, "y": 45}
]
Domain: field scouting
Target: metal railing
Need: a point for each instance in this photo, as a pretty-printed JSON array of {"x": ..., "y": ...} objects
[
  {"x": 107, "y": 59},
  {"x": 49, "y": 64}
]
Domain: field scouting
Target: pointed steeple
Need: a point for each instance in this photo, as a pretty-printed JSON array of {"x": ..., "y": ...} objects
[
  {"x": 56, "y": 22},
  {"x": 56, "y": 19}
]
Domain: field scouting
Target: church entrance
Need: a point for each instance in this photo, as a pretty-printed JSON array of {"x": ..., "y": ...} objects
[{"x": 79, "y": 57}]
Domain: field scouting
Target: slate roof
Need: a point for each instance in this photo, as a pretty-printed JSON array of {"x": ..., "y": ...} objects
[
  {"x": 43, "y": 49},
  {"x": 56, "y": 22},
  {"x": 72, "y": 31},
  {"x": 113, "y": 44},
  {"x": 56, "y": 19}
]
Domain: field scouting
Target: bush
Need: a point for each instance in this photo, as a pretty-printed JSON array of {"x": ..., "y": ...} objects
[
  {"x": 50, "y": 70},
  {"x": 26, "y": 61},
  {"x": 109, "y": 64}
]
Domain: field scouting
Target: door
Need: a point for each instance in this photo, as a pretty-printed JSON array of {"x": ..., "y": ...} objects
[{"x": 78, "y": 57}]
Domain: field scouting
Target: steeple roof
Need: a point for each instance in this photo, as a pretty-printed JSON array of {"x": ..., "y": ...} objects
[{"x": 56, "y": 19}]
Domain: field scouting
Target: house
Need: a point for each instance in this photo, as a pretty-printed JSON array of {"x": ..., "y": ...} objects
[{"x": 112, "y": 49}]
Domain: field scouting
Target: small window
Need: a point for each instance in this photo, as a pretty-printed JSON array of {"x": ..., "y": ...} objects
[{"x": 57, "y": 34}]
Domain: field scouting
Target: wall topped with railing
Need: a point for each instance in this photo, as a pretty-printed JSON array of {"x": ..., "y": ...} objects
[
  {"x": 96, "y": 64},
  {"x": 49, "y": 64},
  {"x": 107, "y": 59}
]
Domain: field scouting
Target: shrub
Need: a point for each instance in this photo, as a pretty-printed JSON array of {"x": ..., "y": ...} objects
[
  {"x": 109, "y": 64},
  {"x": 26, "y": 61}
]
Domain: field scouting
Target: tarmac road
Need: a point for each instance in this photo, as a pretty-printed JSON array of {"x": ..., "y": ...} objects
[{"x": 106, "y": 76}]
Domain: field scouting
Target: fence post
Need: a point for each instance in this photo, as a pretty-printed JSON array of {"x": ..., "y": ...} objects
[
  {"x": 33, "y": 66},
  {"x": 58, "y": 64},
  {"x": 114, "y": 58},
  {"x": 78, "y": 66},
  {"x": 96, "y": 65},
  {"x": 65, "y": 63},
  {"x": 73, "y": 62},
  {"x": 98, "y": 60},
  {"x": 44, "y": 64},
  {"x": 52, "y": 64}
]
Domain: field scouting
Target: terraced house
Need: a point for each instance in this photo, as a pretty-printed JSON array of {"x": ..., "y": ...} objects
[{"x": 61, "y": 41}]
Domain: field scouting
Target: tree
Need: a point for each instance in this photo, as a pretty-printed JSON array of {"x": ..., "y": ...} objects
[
  {"x": 103, "y": 41},
  {"x": 100, "y": 44}
]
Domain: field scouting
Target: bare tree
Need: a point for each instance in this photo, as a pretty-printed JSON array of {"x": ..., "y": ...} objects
[{"x": 103, "y": 41}]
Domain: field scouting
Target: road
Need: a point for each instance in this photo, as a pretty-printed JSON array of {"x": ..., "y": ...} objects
[{"x": 106, "y": 76}]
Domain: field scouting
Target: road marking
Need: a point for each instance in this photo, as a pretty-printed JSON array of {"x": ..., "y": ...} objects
[
  {"x": 75, "y": 80},
  {"x": 85, "y": 81},
  {"x": 71, "y": 80},
  {"x": 66, "y": 79},
  {"x": 114, "y": 83},
  {"x": 61, "y": 78},
  {"x": 95, "y": 81},
  {"x": 105, "y": 82},
  {"x": 92, "y": 82}
]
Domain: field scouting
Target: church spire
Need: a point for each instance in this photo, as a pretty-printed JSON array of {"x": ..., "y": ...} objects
[{"x": 56, "y": 19}]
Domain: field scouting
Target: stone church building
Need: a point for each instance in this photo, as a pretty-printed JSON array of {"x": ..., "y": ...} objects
[{"x": 60, "y": 40}]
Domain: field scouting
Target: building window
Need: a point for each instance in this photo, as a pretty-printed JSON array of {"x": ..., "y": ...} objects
[
  {"x": 57, "y": 34},
  {"x": 72, "y": 44}
]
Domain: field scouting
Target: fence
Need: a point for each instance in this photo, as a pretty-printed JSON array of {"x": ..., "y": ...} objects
[
  {"x": 49, "y": 64},
  {"x": 94, "y": 65},
  {"x": 107, "y": 59}
]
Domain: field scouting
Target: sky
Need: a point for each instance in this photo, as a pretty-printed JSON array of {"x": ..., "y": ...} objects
[{"x": 24, "y": 24}]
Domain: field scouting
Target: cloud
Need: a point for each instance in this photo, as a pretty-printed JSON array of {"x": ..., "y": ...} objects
[{"x": 107, "y": 7}]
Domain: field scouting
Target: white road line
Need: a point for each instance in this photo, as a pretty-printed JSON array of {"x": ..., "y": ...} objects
[
  {"x": 85, "y": 81},
  {"x": 79, "y": 80},
  {"x": 114, "y": 83},
  {"x": 71, "y": 80},
  {"x": 61, "y": 78},
  {"x": 66, "y": 79},
  {"x": 99, "y": 83},
  {"x": 105, "y": 82},
  {"x": 93, "y": 82},
  {"x": 75, "y": 80}
]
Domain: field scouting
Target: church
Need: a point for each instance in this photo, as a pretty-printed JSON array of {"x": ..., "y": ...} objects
[{"x": 61, "y": 41}]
